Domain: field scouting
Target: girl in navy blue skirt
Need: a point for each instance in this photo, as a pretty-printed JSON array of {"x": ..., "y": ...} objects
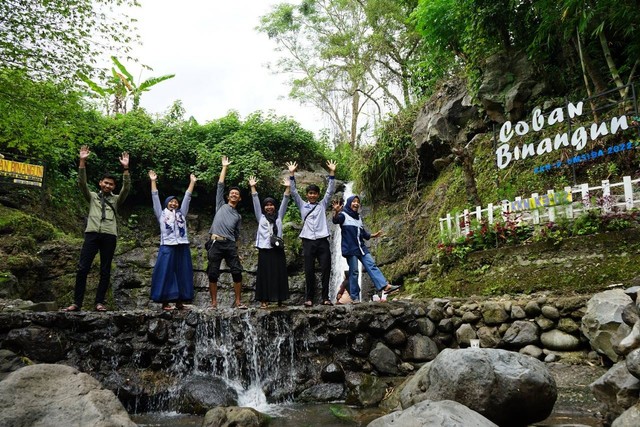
[{"x": 172, "y": 279}]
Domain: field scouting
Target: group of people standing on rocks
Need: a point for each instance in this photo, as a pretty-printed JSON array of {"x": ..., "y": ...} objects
[{"x": 172, "y": 278}]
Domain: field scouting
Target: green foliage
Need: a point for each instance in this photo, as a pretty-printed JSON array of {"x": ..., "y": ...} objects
[
  {"x": 391, "y": 167},
  {"x": 57, "y": 38}
]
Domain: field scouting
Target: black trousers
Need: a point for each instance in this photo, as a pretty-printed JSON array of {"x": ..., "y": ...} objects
[
  {"x": 316, "y": 249},
  {"x": 94, "y": 243}
]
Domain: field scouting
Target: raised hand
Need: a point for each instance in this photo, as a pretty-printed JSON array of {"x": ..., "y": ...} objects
[
  {"x": 193, "y": 178},
  {"x": 225, "y": 161},
  {"x": 152, "y": 175},
  {"x": 286, "y": 182},
  {"x": 331, "y": 164},
  {"x": 84, "y": 152},
  {"x": 292, "y": 166},
  {"x": 253, "y": 181},
  {"x": 124, "y": 160},
  {"x": 336, "y": 205}
]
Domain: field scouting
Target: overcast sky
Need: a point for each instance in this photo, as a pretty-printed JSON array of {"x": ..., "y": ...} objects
[{"x": 218, "y": 58}]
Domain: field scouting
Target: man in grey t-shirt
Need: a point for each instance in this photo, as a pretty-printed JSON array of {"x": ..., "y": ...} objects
[{"x": 224, "y": 232}]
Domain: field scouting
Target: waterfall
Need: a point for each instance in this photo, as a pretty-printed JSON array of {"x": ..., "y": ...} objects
[
  {"x": 254, "y": 355},
  {"x": 338, "y": 262}
]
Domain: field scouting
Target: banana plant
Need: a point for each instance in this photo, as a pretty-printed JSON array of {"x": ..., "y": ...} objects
[{"x": 121, "y": 87}]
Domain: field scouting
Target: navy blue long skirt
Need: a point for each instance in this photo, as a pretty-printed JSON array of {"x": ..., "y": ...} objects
[{"x": 172, "y": 278}]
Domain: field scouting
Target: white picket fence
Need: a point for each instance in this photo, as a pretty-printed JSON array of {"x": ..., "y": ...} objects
[{"x": 606, "y": 197}]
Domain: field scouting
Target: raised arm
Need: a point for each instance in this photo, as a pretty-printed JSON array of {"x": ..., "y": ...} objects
[
  {"x": 285, "y": 199},
  {"x": 186, "y": 201},
  {"x": 225, "y": 164},
  {"x": 157, "y": 207},
  {"x": 82, "y": 172},
  {"x": 331, "y": 187},
  {"x": 126, "y": 179},
  {"x": 257, "y": 209},
  {"x": 292, "y": 166}
]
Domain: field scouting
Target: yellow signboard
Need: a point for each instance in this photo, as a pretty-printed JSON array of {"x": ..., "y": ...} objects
[{"x": 22, "y": 173}]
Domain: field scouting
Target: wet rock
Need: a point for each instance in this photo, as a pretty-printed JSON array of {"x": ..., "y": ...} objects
[
  {"x": 361, "y": 344},
  {"x": 395, "y": 337},
  {"x": 9, "y": 362},
  {"x": 332, "y": 373},
  {"x": 366, "y": 391},
  {"x": 199, "y": 394},
  {"x": 235, "y": 416},
  {"x": 58, "y": 395},
  {"x": 434, "y": 414},
  {"x": 384, "y": 360},
  {"x": 158, "y": 330},
  {"x": 426, "y": 327},
  {"x": 37, "y": 343},
  {"x": 322, "y": 393}
]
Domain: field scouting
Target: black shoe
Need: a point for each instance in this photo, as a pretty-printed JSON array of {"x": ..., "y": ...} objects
[{"x": 391, "y": 290}]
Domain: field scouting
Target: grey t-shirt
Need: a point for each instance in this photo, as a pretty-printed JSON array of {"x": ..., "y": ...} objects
[{"x": 227, "y": 220}]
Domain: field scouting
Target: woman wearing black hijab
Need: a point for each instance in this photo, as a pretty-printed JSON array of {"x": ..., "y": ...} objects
[{"x": 272, "y": 282}]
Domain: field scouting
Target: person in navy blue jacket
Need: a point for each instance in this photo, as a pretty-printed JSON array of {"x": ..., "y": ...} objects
[{"x": 354, "y": 248}]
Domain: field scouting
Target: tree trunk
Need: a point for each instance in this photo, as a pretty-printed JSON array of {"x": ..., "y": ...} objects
[{"x": 612, "y": 66}]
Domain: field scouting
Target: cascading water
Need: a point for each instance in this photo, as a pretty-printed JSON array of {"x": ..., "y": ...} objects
[
  {"x": 254, "y": 355},
  {"x": 338, "y": 262}
]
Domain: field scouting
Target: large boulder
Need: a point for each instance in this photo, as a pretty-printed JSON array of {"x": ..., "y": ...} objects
[
  {"x": 602, "y": 320},
  {"x": 617, "y": 389},
  {"x": 198, "y": 394},
  {"x": 434, "y": 414},
  {"x": 58, "y": 395},
  {"x": 510, "y": 389}
]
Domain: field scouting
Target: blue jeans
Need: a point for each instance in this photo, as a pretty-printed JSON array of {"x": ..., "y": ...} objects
[{"x": 372, "y": 270}]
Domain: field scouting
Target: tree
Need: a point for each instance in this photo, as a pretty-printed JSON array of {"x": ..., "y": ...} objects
[
  {"x": 607, "y": 30},
  {"x": 121, "y": 87},
  {"x": 57, "y": 38},
  {"x": 348, "y": 57}
]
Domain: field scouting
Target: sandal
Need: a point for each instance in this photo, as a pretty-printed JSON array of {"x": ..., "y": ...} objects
[
  {"x": 308, "y": 304},
  {"x": 264, "y": 305},
  {"x": 167, "y": 307},
  {"x": 72, "y": 307},
  {"x": 101, "y": 307},
  {"x": 240, "y": 306},
  {"x": 180, "y": 306},
  {"x": 326, "y": 302}
]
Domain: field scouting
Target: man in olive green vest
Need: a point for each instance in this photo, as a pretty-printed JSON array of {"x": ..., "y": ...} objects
[{"x": 101, "y": 232}]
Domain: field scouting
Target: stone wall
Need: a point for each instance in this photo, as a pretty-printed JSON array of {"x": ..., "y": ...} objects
[{"x": 323, "y": 353}]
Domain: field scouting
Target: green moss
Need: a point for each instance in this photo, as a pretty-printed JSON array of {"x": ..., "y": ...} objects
[{"x": 15, "y": 222}]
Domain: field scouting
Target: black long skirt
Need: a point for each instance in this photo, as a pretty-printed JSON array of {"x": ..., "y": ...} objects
[{"x": 272, "y": 282}]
